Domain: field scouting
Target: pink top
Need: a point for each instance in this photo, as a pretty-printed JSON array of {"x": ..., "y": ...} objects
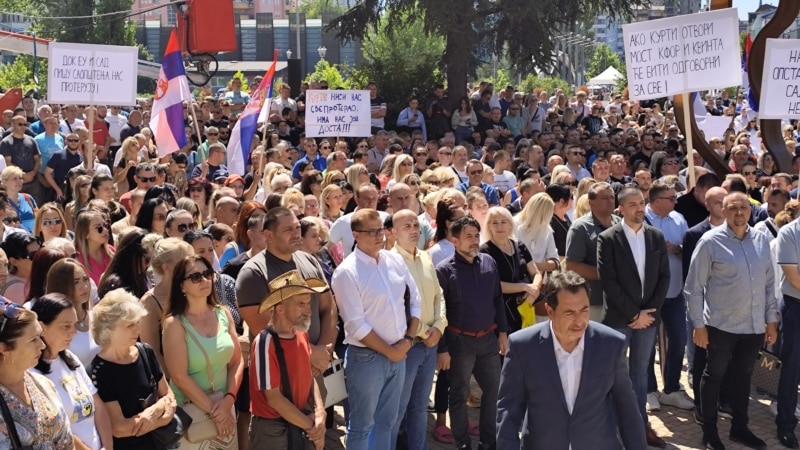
[{"x": 96, "y": 268}]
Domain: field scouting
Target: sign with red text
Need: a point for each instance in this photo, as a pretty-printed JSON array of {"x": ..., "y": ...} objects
[
  {"x": 331, "y": 113},
  {"x": 680, "y": 54}
]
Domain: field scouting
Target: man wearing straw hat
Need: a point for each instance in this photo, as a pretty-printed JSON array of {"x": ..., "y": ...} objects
[{"x": 281, "y": 364}]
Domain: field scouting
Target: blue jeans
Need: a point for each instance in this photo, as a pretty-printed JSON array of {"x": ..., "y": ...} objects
[
  {"x": 673, "y": 319},
  {"x": 420, "y": 365},
  {"x": 641, "y": 344},
  {"x": 790, "y": 368},
  {"x": 373, "y": 386}
]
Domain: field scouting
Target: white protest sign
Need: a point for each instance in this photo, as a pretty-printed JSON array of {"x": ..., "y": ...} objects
[
  {"x": 780, "y": 88},
  {"x": 714, "y": 126},
  {"x": 681, "y": 54},
  {"x": 91, "y": 74},
  {"x": 337, "y": 113}
]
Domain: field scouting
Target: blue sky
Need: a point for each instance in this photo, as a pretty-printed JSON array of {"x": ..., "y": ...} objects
[{"x": 746, "y": 6}]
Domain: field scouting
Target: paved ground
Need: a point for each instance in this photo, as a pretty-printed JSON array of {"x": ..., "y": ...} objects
[{"x": 675, "y": 426}]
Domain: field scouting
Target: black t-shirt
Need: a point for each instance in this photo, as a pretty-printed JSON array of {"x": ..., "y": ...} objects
[
  {"x": 61, "y": 162},
  {"x": 560, "y": 229},
  {"x": 511, "y": 272},
  {"x": 129, "y": 385},
  {"x": 129, "y": 176},
  {"x": 235, "y": 264},
  {"x": 22, "y": 151}
]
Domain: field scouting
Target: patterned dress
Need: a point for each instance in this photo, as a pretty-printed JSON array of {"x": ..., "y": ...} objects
[{"x": 45, "y": 426}]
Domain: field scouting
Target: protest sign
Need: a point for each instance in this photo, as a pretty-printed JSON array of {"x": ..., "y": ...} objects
[
  {"x": 780, "y": 88},
  {"x": 332, "y": 113},
  {"x": 682, "y": 54},
  {"x": 92, "y": 74},
  {"x": 714, "y": 126}
]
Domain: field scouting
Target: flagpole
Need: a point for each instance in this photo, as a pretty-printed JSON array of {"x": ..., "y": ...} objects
[
  {"x": 688, "y": 134},
  {"x": 89, "y": 163},
  {"x": 196, "y": 125}
]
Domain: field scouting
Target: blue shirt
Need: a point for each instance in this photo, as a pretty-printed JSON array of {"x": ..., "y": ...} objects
[
  {"x": 37, "y": 127},
  {"x": 489, "y": 190},
  {"x": 24, "y": 205},
  {"x": 48, "y": 145},
  {"x": 730, "y": 285},
  {"x": 319, "y": 163},
  {"x": 472, "y": 295},
  {"x": 674, "y": 227},
  {"x": 402, "y": 121}
]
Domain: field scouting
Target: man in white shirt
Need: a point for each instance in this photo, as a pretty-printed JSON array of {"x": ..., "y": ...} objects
[
  {"x": 504, "y": 180},
  {"x": 380, "y": 324},
  {"x": 71, "y": 121}
]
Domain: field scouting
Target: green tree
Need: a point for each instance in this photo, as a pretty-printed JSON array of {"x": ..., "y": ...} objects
[
  {"x": 401, "y": 63},
  {"x": 20, "y": 74},
  {"x": 475, "y": 29},
  {"x": 548, "y": 84},
  {"x": 602, "y": 58},
  {"x": 323, "y": 70},
  {"x": 313, "y": 9}
]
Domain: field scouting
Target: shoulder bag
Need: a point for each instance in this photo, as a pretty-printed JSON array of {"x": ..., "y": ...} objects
[
  {"x": 16, "y": 444},
  {"x": 168, "y": 435},
  {"x": 203, "y": 427},
  {"x": 295, "y": 436}
]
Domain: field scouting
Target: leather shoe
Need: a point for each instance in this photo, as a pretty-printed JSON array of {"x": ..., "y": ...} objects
[
  {"x": 788, "y": 439},
  {"x": 652, "y": 438},
  {"x": 713, "y": 442},
  {"x": 748, "y": 439}
]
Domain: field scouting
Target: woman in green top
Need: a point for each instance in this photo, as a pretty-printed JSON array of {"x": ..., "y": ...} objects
[{"x": 199, "y": 349}]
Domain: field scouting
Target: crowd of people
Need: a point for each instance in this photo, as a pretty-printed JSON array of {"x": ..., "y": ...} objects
[{"x": 434, "y": 255}]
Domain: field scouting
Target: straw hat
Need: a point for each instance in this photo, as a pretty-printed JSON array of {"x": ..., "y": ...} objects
[{"x": 290, "y": 284}]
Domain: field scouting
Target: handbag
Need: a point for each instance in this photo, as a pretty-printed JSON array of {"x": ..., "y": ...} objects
[
  {"x": 334, "y": 383},
  {"x": 168, "y": 435},
  {"x": 767, "y": 373},
  {"x": 203, "y": 427},
  {"x": 16, "y": 444},
  {"x": 295, "y": 436}
]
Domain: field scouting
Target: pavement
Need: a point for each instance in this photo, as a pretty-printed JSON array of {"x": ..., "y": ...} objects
[{"x": 675, "y": 426}]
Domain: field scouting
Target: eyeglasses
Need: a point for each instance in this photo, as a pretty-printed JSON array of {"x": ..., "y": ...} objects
[
  {"x": 747, "y": 174},
  {"x": 100, "y": 228},
  {"x": 337, "y": 180},
  {"x": 147, "y": 179},
  {"x": 10, "y": 220},
  {"x": 372, "y": 233},
  {"x": 73, "y": 140},
  {"x": 433, "y": 182},
  {"x": 11, "y": 311},
  {"x": 182, "y": 227},
  {"x": 674, "y": 198},
  {"x": 197, "y": 277},
  {"x": 49, "y": 222},
  {"x": 581, "y": 154},
  {"x": 212, "y": 134}
]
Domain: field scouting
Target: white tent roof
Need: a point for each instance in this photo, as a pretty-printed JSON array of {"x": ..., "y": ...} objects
[{"x": 609, "y": 76}]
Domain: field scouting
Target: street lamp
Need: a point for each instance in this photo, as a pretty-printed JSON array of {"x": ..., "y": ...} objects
[
  {"x": 322, "y": 51},
  {"x": 288, "y": 54}
]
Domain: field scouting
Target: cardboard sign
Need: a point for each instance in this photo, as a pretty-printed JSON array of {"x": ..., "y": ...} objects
[
  {"x": 91, "y": 74},
  {"x": 682, "y": 54},
  {"x": 331, "y": 113},
  {"x": 780, "y": 88}
]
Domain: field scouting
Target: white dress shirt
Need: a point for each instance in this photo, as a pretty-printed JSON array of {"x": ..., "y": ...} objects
[
  {"x": 636, "y": 241},
  {"x": 570, "y": 366},
  {"x": 341, "y": 232},
  {"x": 369, "y": 294}
]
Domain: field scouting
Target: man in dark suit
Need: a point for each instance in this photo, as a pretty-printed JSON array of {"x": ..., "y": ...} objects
[
  {"x": 566, "y": 381},
  {"x": 634, "y": 273}
]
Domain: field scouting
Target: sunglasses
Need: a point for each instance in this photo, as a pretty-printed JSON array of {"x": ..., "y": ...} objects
[
  {"x": 147, "y": 179},
  {"x": 372, "y": 233},
  {"x": 421, "y": 154},
  {"x": 49, "y": 222},
  {"x": 182, "y": 227},
  {"x": 11, "y": 311},
  {"x": 100, "y": 228},
  {"x": 578, "y": 154},
  {"x": 212, "y": 134},
  {"x": 197, "y": 277},
  {"x": 10, "y": 220},
  {"x": 73, "y": 140}
]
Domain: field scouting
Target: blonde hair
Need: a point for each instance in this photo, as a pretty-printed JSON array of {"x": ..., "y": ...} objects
[
  {"x": 490, "y": 215},
  {"x": 49, "y": 206},
  {"x": 533, "y": 222},
  {"x": 293, "y": 196},
  {"x": 584, "y": 185},
  {"x": 169, "y": 251},
  {"x": 446, "y": 175},
  {"x": 11, "y": 172},
  {"x": 352, "y": 174},
  {"x": 323, "y": 207},
  {"x": 323, "y": 229},
  {"x": 559, "y": 169},
  {"x": 82, "y": 229},
  {"x": 397, "y": 162},
  {"x": 582, "y": 206},
  {"x": 116, "y": 306},
  {"x": 329, "y": 176}
]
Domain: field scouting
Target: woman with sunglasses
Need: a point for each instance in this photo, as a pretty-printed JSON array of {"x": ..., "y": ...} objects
[
  {"x": 125, "y": 162},
  {"x": 413, "y": 181},
  {"x": 69, "y": 278},
  {"x": 201, "y": 349},
  {"x": 89, "y": 422},
  {"x": 166, "y": 255},
  {"x": 80, "y": 197},
  {"x": 153, "y": 216},
  {"x": 50, "y": 223},
  {"x": 200, "y": 191},
  {"x": 130, "y": 262},
  {"x": 38, "y": 415},
  {"x": 311, "y": 183},
  {"x": 24, "y": 204},
  {"x": 20, "y": 248},
  {"x": 91, "y": 242}
]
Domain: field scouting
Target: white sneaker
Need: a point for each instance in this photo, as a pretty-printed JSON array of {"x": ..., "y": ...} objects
[
  {"x": 652, "y": 402},
  {"x": 773, "y": 408},
  {"x": 677, "y": 399}
]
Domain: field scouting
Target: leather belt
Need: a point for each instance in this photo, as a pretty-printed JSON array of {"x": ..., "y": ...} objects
[{"x": 475, "y": 334}]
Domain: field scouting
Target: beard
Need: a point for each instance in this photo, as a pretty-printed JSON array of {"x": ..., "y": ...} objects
[{"x": 303, "y": 324}]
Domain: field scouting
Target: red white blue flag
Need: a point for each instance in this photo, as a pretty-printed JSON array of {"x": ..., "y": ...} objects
[{"x": 172, "y": 89}]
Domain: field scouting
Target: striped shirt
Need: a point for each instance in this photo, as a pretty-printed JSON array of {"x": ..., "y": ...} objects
[{"x": 265, "y": 373}]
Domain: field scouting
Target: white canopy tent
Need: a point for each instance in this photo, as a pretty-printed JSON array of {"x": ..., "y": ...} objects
[{"x": 608, "y": 77}]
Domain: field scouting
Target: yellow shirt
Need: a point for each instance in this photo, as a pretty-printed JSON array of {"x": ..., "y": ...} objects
[{"x": 422, "y": 270}]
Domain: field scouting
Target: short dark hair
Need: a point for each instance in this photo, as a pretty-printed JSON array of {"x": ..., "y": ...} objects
[
  {"x": 707, "y": 180},
  {"x": 559, "y": 192},
  {"x": 784, "y": 195},
  {"x": 563, "y": 281},
  {"x": 460, "y": 224},
  {"x": 274, "y": 215}
]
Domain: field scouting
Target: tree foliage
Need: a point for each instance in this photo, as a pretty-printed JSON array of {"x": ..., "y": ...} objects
[
  {"x": 602, "y": 58},
  {"x": 475, "y": 29},
  {"x": 323, "y": 70},
  {"x": 313, "y": 9},
  {"x": 548, "y": 84},
  {"x": 20, "y": 74}
]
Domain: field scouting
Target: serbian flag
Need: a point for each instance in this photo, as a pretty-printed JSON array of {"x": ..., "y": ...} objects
[
  {"x": 245, "y": 128},
  {"x": 172, "y": 89},
  {"x": 748, "y": 43}
]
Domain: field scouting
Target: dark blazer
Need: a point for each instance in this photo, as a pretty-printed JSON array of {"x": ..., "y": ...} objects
[
  {"x": 619, "y": 278},
  {"x": 531, "y": 398},
  {"x": 690, "y": 240}
]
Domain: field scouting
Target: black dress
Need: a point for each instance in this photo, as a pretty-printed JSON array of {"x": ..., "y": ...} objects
[{"x": 512, "y": 269}]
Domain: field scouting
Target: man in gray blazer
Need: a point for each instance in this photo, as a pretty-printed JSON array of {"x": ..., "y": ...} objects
[{"x": 565, "y": 382}]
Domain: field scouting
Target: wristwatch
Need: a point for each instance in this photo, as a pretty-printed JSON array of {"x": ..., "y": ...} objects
[{"x": 409, "y": 338}]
